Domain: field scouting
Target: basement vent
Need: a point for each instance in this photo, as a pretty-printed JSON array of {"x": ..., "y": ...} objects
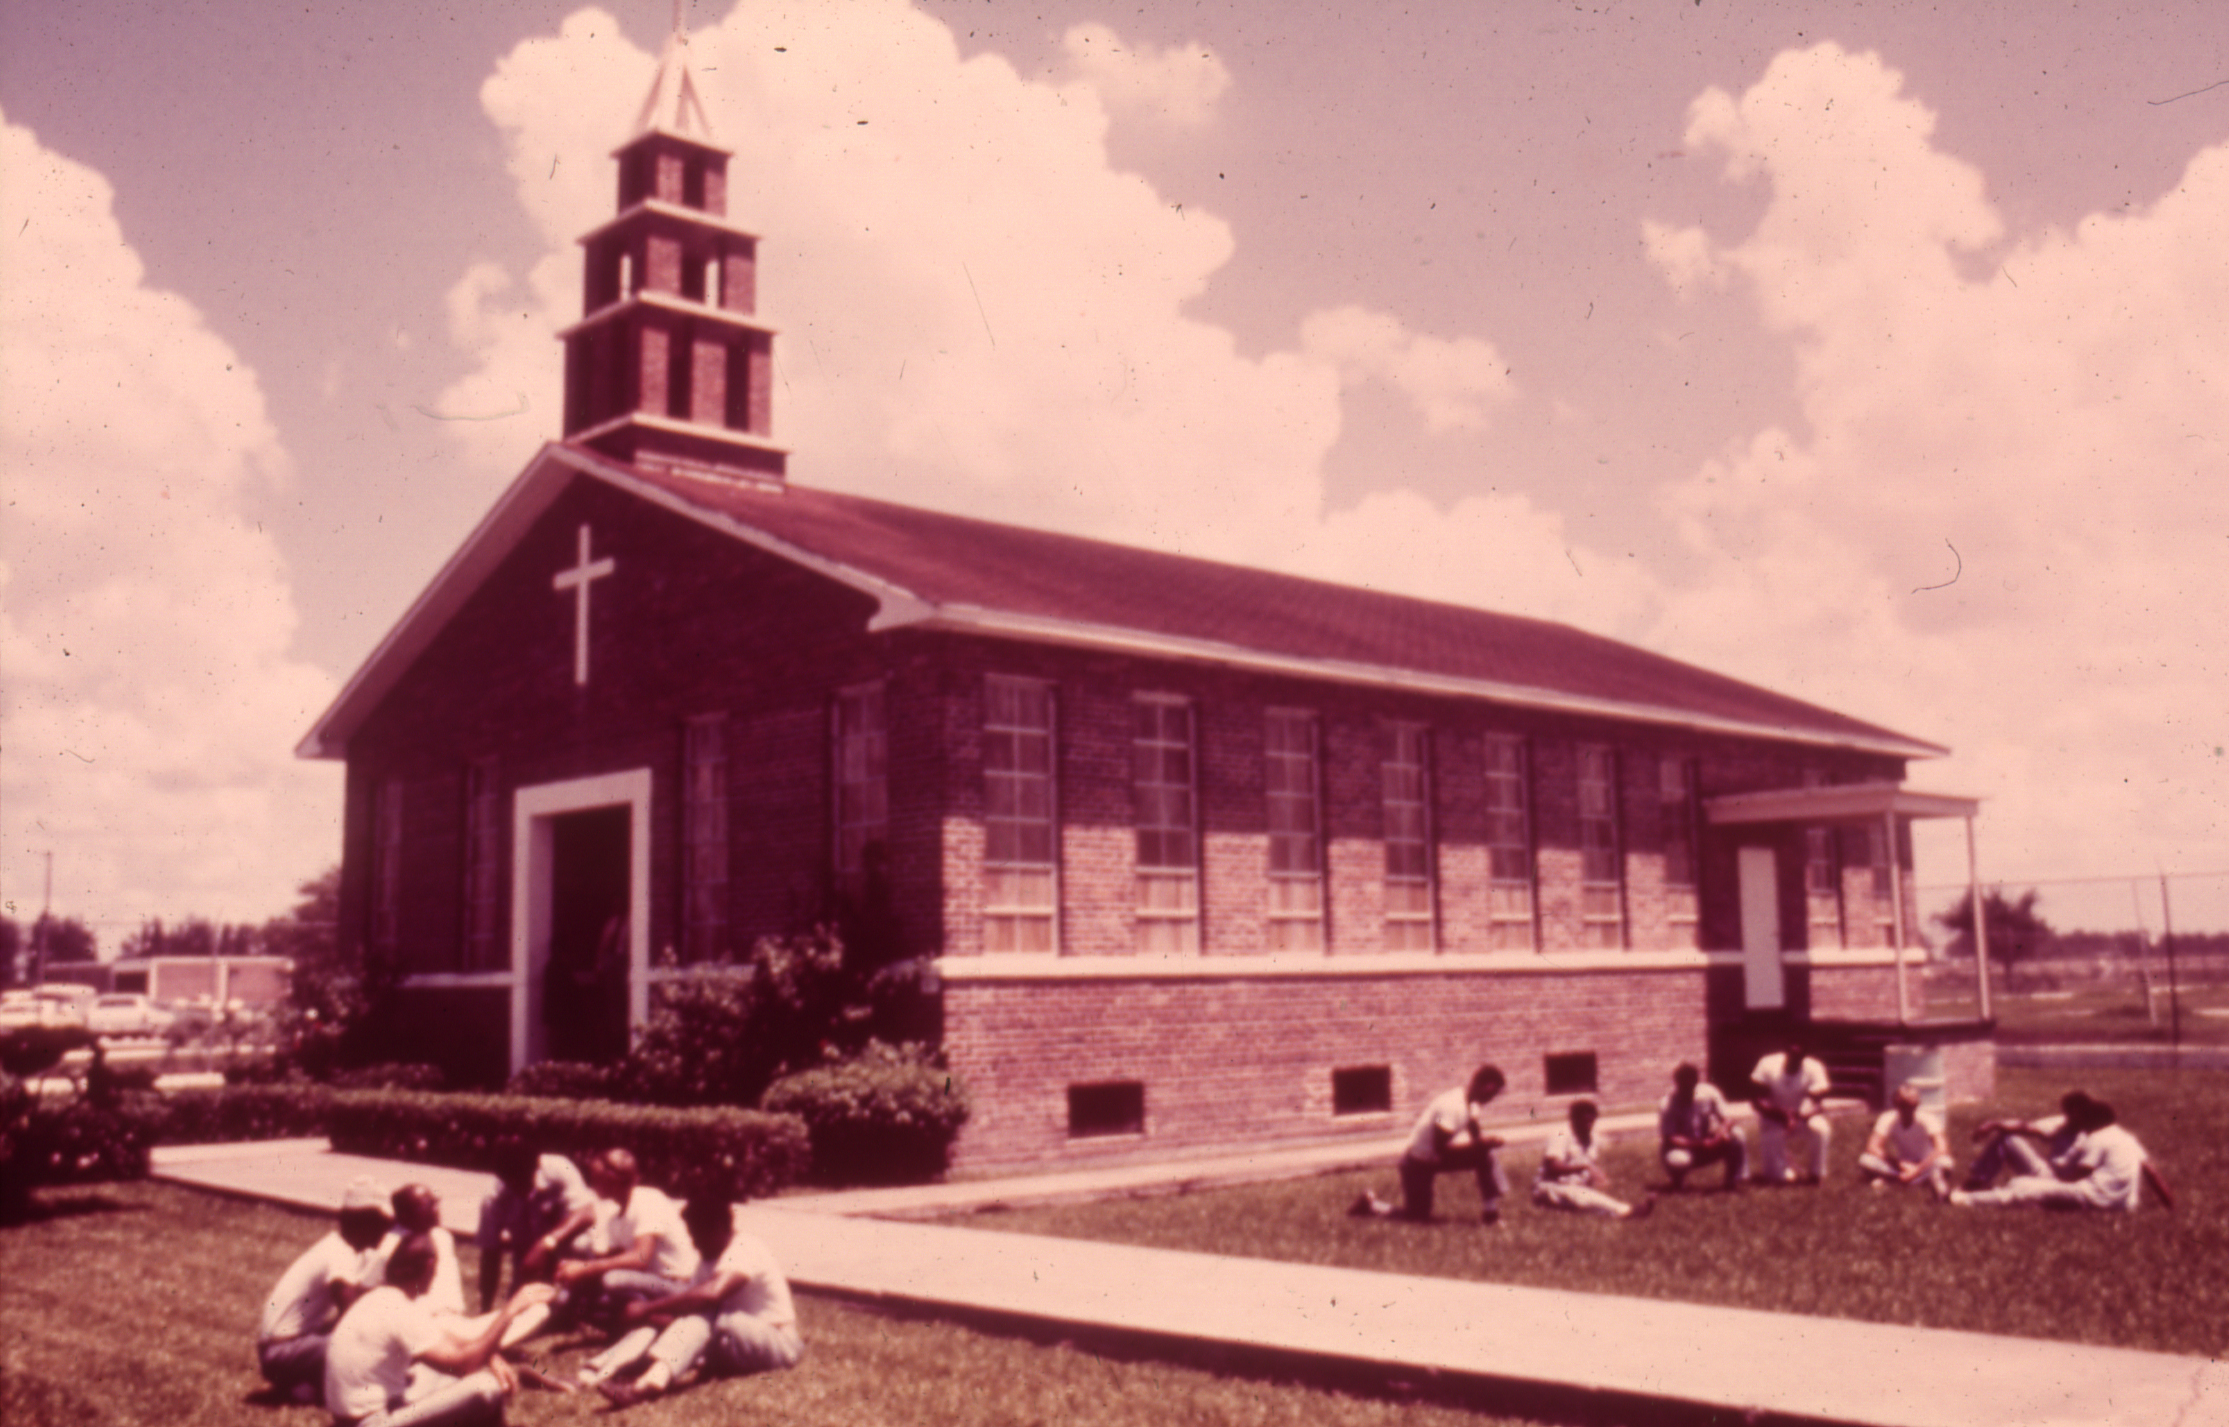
[
  {"x": 1571, "y": 1073},
  {"x": 1114, "y": 1108},
  {"x": 1362, "y": 1090}
]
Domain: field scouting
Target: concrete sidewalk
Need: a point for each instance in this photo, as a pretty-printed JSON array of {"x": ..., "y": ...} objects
[{"x": 1498, "y": 1347}]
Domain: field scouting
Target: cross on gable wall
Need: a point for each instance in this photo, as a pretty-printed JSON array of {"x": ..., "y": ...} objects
[{"x": 577, "y": 580}]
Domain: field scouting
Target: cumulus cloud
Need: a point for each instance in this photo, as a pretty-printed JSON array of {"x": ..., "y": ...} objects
[
  {"x": 979, "y": 311},
  {"x": 2007, "y": 496},
  {"x": 144, "y": 618},
  {"x": 1177, "y": 86}
]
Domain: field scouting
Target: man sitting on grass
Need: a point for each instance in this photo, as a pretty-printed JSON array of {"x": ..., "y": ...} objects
[
  {"x": 641, "y": 1250},
  {"x": 1789, "y": 1086},
  {"x": 1571, "y": 1176},
  {"x": 536, "y": 1197},
  {"x": 1908, "y": 1146},
  {"x": 737, "y": 1306},
  {"x": 2106, "y": 1169},
  {"x": 369, "y": 1380},
  {"x": 2027, "y": 1147},
  {"x": 298, "y": 1318},
  {"x": 1447, "y": 1139},
  {"x": 418, "y": 1211},
  {"x": 1694, "y": 1127}
]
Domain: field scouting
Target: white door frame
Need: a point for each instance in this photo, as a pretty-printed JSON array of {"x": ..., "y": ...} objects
[
  {"x": 1764, "y": 978},
  {"x": 534, "y": 812}
]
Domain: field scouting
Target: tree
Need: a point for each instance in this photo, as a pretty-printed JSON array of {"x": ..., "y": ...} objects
[
  {"x": 11, "y": 952},
  {"x": 2017, "y": 932}
]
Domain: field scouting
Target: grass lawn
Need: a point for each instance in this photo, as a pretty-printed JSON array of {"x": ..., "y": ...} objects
[
  {"x": 137, "y": 1304},
  {"x": 2112, "y": 1015},
  {"x": 2153, "y": 1279}
]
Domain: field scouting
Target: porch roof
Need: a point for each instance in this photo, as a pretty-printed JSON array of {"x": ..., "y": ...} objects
[{"x": 1844, "y": 802}]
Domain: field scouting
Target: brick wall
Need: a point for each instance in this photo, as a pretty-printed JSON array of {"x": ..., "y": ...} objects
[{"x": 1226, "y": 1062}]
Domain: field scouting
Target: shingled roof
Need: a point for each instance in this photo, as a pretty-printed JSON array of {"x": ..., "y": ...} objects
[{"x": 928, "y": 568}]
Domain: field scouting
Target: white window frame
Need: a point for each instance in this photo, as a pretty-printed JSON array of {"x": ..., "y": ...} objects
[
  {"x": 1021, "y": 897},
  {"x": 861, "y": 753},
  {"x": 705, "y": 849},
  {"x": 1167, "y": 893},
  {"x": 1602, "y": 919},
  {"x": 1406, "y": 783},
  {"x": 1295, "y": 919},
  {"x": 1682, "y": 823},
  {"x": 1511, "y": 927}
]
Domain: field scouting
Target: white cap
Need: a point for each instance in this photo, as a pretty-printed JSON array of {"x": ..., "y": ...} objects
[{"x": 365, "y": 1192}]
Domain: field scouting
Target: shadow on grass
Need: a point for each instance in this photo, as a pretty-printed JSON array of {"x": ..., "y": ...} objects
[{"x": 44, "y": 1208}]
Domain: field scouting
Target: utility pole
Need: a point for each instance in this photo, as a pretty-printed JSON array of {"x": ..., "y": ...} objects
[
  {"x": 39, "y": 935},
  {"x": 2174, "y": 992}
]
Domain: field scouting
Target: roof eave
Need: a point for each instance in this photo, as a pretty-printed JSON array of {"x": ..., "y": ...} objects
[{"x": 977, "y": 620}]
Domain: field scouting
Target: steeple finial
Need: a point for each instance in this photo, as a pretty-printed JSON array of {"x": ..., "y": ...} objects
[{"x": 673, "y": 105}]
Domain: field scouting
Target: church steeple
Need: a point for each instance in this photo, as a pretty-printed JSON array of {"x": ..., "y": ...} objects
[{"x": 668, "y": 366}]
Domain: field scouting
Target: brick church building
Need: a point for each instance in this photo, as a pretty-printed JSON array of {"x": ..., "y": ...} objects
[{"x": 1198, "y": 855}]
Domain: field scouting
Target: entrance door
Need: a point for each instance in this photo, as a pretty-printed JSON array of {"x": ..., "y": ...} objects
[
  {"x": 580, "y": 924},
  {"x": 584, "y": 979},
  {"x": 1764, "y": 981}
]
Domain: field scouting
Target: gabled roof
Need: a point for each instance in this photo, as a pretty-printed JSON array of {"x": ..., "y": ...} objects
[{"x": 932, "y": 570}]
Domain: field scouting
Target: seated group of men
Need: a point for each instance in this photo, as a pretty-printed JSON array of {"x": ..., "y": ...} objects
[
  {"x": 2078, "y": 1159},
  {"x": 372, "y": 1318}
]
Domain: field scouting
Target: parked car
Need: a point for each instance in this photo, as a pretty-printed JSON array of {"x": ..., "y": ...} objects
[
  {"x": 57, "y": 1004},
  {"x": 17, "y": 1010},
  {"x": 123, "y": 1014}
]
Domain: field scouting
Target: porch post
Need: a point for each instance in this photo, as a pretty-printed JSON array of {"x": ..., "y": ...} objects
[
  {"x": 1981, "y": 917},
  {"x": 1896, "y": 936}
]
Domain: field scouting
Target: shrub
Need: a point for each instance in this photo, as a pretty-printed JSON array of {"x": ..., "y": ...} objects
[
  {"x": 392, "y": 1075},
  {"x": 721, "y": 1035},
  {"x": 885, "y": 1116},
  {"x": 562, "y": 1080},
  {"x": 744, "y": 1153},
  {"x": 279, "y": 1111},
  {"x": 80, "y": 1140}
]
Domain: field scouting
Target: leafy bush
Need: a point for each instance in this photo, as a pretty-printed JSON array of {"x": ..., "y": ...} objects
[
  {"x": 279, "y": 1111},
  {"x": 885, "y": 1116},
  {"x": 80, "y": 1140},
  {"x": 723, "y": 1034},
  {"x": 562, "y": 1080},
  {"x": 392, "y": 1075},
  {"x": 742, "y": 1153}
]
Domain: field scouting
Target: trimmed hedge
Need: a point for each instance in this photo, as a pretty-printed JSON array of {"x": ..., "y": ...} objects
[
  {"x": 282, "y": 1110},
  {"x": 742, "y": 1154},
  {"x": 886, "y": 1116}
]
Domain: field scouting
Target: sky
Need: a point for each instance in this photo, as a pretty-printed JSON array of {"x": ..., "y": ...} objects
[{"x": 1878, "y": 354}]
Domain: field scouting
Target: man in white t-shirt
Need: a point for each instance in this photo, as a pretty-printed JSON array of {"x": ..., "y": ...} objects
[
  {"x": 2106, "y": 1169},
  {"x": 299, "y": 1314},
  {"x": 1447, "y": 1139},
  {"x": 531, "y": 1216},
  {"x": 737, "y": 1305},
  {"x": 1695, "y": 1127},
  {"x": 641, "y": 1249},
  {"x": 369, "y": 1377},
  {"x": 1908, "y": 1146},
  {"x": 2026, "y": 1147},
  {"x": 418, "y": 1211},
  {"x": 1571, "y": 1177},
  {"x": 1790, "y": 1085}
]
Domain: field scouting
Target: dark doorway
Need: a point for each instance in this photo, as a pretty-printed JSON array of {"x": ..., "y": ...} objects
[{"x": 584, "y": 990}]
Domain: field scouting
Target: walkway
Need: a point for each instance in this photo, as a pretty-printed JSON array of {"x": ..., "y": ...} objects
[{"x": 1521, "y": 1349}]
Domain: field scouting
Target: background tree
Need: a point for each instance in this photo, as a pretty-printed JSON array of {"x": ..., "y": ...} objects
[{"x": 2017, "y": 932}]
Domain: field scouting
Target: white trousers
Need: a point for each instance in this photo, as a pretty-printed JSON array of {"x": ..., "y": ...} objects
[
  {"x": 1579, "y": 1199},
  {"x": 1772, "y": 1146}
]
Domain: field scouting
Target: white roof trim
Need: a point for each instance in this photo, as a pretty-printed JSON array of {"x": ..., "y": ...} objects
[
  {"x": 1845, "y": 802},
  {"x": 664, "y": 208},
  {"x": 670, "y": 302}
]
